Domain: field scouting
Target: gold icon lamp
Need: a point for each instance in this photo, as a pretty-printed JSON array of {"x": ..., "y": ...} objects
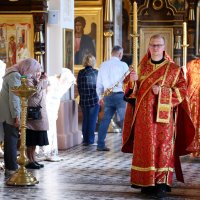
[{"x": 22, "y": 177}]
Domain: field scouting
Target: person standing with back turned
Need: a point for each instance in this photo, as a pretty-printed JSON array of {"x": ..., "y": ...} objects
[
  {"x": 86, "y": 83},
  {"x": 110, "y": 72},
  {"x": 150, "y": 133}
]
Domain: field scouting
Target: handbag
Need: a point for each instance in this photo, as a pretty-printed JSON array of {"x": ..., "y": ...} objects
[{"x": 34, "y": 113}]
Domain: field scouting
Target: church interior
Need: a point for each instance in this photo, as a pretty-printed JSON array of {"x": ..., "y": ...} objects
[{"x": 45, "y": 30}]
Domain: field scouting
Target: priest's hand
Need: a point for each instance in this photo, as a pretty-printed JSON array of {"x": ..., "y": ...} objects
[
  {"x": 156, "y": 89},
  {"x": 133, "y": 76}
]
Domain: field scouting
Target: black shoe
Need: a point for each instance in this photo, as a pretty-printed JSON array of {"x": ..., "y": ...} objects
[
  {"x": 160, "y": 192},
  {"x": 40, "y": 165},
  {"x": 85, "y": 144},
  {"x": 32, "y": 165},
  {"x": 148, "y": 190},
  {"x": 168, "y": 189},
  {"x": 135, "y": 186},
  {"x": 103, "y": 149}
]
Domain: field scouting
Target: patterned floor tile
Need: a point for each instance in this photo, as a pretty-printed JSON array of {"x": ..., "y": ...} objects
[{"x": 87, "y": 174}]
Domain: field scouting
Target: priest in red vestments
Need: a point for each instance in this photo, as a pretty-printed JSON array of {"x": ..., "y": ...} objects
[
  {"x": 193, "y": 77},
  {"x": 149, "y": 130}
]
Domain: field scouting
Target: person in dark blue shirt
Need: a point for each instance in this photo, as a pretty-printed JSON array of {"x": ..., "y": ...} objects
[{"x": 86, "y": 82}]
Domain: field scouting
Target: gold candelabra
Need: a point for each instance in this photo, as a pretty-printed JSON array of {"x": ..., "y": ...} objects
[
  {"x": 22, "y": 177},
  {"x": 109, "y": 91}
]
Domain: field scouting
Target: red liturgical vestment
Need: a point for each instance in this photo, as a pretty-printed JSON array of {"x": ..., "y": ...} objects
[
  {"x": 193, "y": 77},
  {"x": 149, "y": 130}
]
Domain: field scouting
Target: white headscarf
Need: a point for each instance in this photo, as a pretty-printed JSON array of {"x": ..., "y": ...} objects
[{"x": 27, "y": 67}]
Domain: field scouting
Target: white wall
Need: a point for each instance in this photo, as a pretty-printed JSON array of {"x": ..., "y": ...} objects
[
  {"x": 117, "y": 6},
  {"x": 59, "y": 18}
]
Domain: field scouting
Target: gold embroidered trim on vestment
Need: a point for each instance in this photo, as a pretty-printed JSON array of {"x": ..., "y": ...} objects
[
  {"x": 164, "y": 101},
  {"x": 176, "y": 77},
  {"x": 146, "y": 169},
  {"x": 180, "y": 99},
  {"x": 164, "y": 110}
]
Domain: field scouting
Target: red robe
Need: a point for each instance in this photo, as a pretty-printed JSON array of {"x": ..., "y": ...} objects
[
  {"x": 151, "y": 124},
  {"x": 193, "y": 77}
]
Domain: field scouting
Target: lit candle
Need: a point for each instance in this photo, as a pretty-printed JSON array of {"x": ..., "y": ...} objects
[
  {"x": 184, "y": 48},
  {"x": 135, "y": 38},
  {"x": 134, "y": 18},
  {"x": 184, "y": 33}
]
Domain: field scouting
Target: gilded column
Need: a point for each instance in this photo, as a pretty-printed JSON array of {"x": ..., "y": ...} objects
[
  {"x": 108, "y": 33},
  {"x": 108, "y": 26}
]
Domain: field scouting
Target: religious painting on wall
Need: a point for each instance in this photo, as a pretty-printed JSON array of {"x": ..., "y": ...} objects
[
  {"x": 87, "y": 34},
  {"x": 126, "y": 26},
  {"x": 16, "y": 38},
  {"x": 68, "y": 48}
]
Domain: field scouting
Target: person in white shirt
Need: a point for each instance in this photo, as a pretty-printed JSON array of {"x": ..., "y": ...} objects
[{"x": 110, "y": 75}]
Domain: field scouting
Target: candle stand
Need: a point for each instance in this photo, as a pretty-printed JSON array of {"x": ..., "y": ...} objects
[{"x": 22, "y": 177}]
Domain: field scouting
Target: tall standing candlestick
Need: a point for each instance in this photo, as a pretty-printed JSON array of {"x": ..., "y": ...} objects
[
  {"x": 134, "y": 18},
  {"x": 135, "y": 38},
  {"x": 22, "y": 177},
  {"x": 184, "y": 33},
  {"x": 185, "y": 45}
]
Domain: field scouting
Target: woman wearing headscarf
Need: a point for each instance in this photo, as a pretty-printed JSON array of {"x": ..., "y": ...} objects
[
  {"x": 10, "y": 109},
  {"x": 36, "y": 132}
]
